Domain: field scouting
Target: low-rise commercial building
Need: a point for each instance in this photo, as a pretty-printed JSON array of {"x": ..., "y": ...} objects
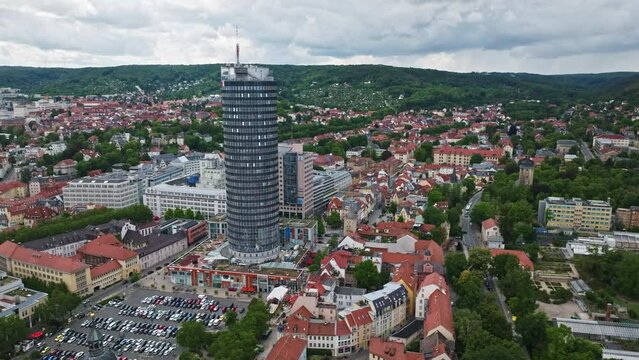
[
  {"x": 15, "y": 299},
  {"x": 113, "y": 190}
]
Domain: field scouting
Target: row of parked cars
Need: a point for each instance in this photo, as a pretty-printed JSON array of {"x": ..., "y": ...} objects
[
  {"x": 131, "y": 326},
  {"x": 62, "y": 355},
  {"x": 147, "y": 347},
  {"x": 71, "y": 336},
  {"x": 199, "y": 303}
]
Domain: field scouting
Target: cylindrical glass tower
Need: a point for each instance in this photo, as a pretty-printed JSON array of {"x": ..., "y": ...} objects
[{"x": 249, "y": 103}]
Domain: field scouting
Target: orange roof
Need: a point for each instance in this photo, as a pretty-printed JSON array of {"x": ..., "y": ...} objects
[
  {"x": 524, "y": 260},
  {"x": 107, "y": 246},
  {"x": 9, "y": 249},
  {"x": 303, "y": 313},
  {"x": 105, "y": 268},
  {"x": 342, "y": 328},
  {"x": 6, "y": 186},
  {"x": 439, "y": 314},
  {"x": 391, "y": 350},
  {"x": 488, "y": 223},
  {"x": 359, "y": 317},
  {"x": 434, "y": 279},
  {"x": 321, "y": 329},
  {"x": 436, "y": 251},
  {"x": 340, "y": 257},
  {"x": 287, "y": 348}
]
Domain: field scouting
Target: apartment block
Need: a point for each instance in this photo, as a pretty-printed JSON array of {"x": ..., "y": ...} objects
[
  {"x": 461, "y": 156},
  {"x": 575, "y": 213}
]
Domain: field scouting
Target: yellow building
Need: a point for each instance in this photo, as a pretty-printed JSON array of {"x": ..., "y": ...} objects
[
  {"x": 23, "y": 262},
  {"x": 557, "y": 212}
]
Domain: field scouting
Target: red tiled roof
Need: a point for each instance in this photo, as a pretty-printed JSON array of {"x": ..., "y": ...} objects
[
  {"x": 302, "y": 312},
  {"x": 524, "y": 260},
  {"x": 107, "y": 246},
  {"x": 105, "y": 268},
  {"x": 66, "y": 162},
  {"x": 391, "y": 350},
  {"x": 436, "y": 251},
  {"x": 434, "y": 279},
  {"x": 359, "y": 317},
  {"x": 6, "y": 186},
  {"x": 450, "y": 150},
  {"x": 9, "y": 249},
  {"x": 342, "y": 328},
  {"x": 439, "y": 314},
  {"x": 611, "y": 136},
  {"x": 488, "y": 223},
  {"x": 340, "y": 257},
  {"x": 40, "y": 212},
  {"x": 287, "y": 348},
  {"x": 321, "y": 329}
]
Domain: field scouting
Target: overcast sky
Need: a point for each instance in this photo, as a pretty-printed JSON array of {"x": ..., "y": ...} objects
[{"x": 549, "y": 36}]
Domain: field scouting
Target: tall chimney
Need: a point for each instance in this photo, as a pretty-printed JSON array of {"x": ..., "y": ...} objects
[{"x": 608, "y": 311}]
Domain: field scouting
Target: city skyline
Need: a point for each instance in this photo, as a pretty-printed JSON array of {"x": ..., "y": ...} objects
[{"x": 480, "y": 35}]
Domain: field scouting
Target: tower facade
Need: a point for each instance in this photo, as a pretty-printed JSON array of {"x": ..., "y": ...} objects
[
  {"x": 249, "y": 100},
  {"x": 526, "y": 172},
  {"x": 295, "y": 168}
]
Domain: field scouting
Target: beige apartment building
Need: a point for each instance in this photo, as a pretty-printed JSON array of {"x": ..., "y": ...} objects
[{"x": 578, "y": 214}]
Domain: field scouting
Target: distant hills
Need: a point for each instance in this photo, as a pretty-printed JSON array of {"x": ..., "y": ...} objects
[{"x": 354, "y": 86}]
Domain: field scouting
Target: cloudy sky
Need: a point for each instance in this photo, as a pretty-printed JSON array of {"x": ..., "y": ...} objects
[{"x": 540, "y": 36}]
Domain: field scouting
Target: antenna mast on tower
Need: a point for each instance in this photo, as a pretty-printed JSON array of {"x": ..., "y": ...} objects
[{"x": 237, "y": 47}]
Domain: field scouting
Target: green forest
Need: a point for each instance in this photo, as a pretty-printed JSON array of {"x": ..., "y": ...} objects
[{"x": 359, "y": 87}]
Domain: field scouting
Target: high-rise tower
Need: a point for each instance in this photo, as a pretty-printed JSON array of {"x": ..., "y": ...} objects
[{"x": 249, "y": 99}]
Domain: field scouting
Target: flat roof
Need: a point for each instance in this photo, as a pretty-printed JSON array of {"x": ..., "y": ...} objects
[
  {"x": 617, "y": 330},
  {"x": 574, "y": 201},
  {"x": 298, "y": 223}
]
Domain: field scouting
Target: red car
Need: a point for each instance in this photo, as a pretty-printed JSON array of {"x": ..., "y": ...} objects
[{"x": 224, "y": 309}]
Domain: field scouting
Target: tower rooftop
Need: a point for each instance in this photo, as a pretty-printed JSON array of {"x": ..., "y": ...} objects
[{"x": 243, "y": 72}]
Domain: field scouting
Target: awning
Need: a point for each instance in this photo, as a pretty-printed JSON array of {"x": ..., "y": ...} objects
[{"x": 249, "y": 289}]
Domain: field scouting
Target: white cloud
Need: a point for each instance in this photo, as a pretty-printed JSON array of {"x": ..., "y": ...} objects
[{"x": 541, "y": 36}]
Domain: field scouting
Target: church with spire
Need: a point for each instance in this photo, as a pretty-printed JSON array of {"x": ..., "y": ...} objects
[{"x": 96, "y": 349}]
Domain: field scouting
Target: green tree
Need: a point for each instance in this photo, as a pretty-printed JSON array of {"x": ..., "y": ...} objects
[
  {"x": 476, "y": 159},
  {"x": 230, "y": 318},
  {"x": 332, "y": 243},
  {"x": 433, "y": 215},
  {"x": 502, "y": 264},
  {"x": 321, "y": 230},
  {"x": 12, "y": 330},
  {"x": 479, "y": 259},
  {"x": 178, "y": 213},
  {"x": 438, "y": 234},
  {"x": 469, "y": 184},
  {"x": 135, "y": 277},
  {"x": 189, "y": 214},
  {"x": 455, "y": 264},
  {"x": 469, "y": 290},
  {"x": 334, "y": 220},
  {"x": 58, "y": 307},
  {"x": 562, "y": 344},
  {"x": 367, "y": 275},
  {"x": 169, "y": 214},
  {"x": 192, "y": 335},
  {"x": 386, "y": 155},
  {"x": 188, "y": 355},
  {"x": 482, "y": 211},
  {"x": 392, "y": 208},
  {"x": 532, "y": 328}
]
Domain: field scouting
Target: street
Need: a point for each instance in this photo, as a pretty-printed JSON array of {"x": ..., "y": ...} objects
[
  {"x": 586, "y": 151},
  {"x": 469, "y": 231}
]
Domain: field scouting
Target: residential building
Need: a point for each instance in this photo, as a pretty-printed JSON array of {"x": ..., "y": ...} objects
[
  {"x": 361, "y": 324},
  {"x": 113, "y": 190},
  {"x": 564, "y": 146},
  {"x": 298, "y": 231},
  {"x": 557, "y": 212},
  {"x": 439, "y": 329},
  {"x": 629, "y": 217},
  {"x": 346, "y": 296},
  {"x": 380, "y": 349},
  {"x": 15, "y": 299},
  {"x": 288, "y": 348},
  {"x": 388, "y": 308},
  {"x": 194, "y": 230},
  {"x": 23, "y": 262},
  {"x": 461, "y": 156},
  {"x": 328, "y": 161},
  {"x": 427, "y": 287},
  {"x": 491, "y": 235},
  {"x": 324, "y": 190},
  {"x": 295, "y": 174},
  {"x": 65, "y": 167},
  {"x": 110, "y": 260},
  {"x": 249, "y": 101},
  {"x": 13, "y": 190}
]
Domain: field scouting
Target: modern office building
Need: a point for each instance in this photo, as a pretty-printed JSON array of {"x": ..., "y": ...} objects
[
  {"x": 113, "y": 190},
  {"x": 295, "y": 170},
  {"x": 207, "y": 201},
  {"x": 557, "y": 212},
  {"x": 249, "y": 104}
]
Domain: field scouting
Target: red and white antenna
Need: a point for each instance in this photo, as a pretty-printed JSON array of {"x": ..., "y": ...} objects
[{"x": 237, "y": 47}]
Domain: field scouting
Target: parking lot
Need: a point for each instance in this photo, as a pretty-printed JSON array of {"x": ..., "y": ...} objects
[{"x": 143, "y": 325}]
